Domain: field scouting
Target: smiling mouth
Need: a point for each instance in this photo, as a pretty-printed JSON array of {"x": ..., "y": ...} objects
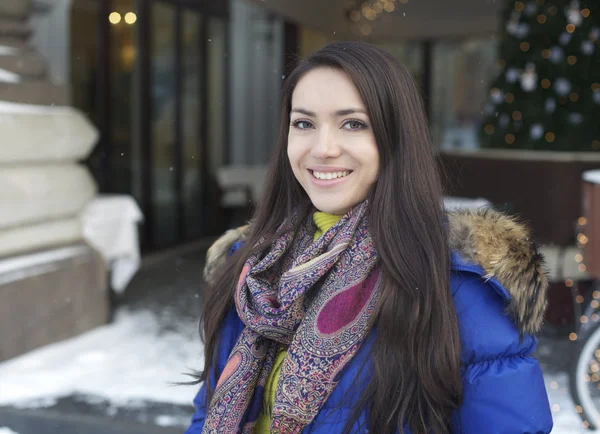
[{"x": 330, "y": 175}]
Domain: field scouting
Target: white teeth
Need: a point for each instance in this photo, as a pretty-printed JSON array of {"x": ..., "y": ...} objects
[{"x": 330, "y": 175}]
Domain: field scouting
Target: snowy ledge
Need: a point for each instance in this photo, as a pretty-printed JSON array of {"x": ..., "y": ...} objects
[
  {"x": 592, "y": 176},
  {"x": 7, "y": 107},
  {"x": 511, "y": 154}
]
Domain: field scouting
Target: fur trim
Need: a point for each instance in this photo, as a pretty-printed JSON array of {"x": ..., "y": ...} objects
[
  {"x": 495, "y": 241},
  {"x": 505, "y": 251},
  {"x": 217, "y": 253}
]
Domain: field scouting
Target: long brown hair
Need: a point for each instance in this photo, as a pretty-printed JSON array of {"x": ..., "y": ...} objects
[{"x": 415, "y": 362}]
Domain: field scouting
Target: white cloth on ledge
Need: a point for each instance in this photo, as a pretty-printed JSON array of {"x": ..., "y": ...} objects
[{"x": 110, "y": 224}]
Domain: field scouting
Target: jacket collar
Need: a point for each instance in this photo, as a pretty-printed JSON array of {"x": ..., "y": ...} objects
[{"x": 485, "y": 242}]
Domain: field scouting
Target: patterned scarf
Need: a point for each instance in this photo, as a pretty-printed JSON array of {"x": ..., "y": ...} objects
[{"x": 323, "y": 328}]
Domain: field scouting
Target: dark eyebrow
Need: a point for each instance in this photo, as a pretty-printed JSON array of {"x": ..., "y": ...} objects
[
  {"x": 304, "y": 112},
  {"x": 348, "y": 111},
  {"x": 338, "y": 113}
]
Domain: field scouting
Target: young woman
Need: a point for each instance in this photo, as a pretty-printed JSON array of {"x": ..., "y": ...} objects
[{"x": 352, "y": 302}]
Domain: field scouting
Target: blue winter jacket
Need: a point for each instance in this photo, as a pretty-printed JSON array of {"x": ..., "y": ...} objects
[{"x": 499, "y": 296}]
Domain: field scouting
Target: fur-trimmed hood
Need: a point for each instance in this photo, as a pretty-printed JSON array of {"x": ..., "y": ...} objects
[{"x": 497, "y": 243}]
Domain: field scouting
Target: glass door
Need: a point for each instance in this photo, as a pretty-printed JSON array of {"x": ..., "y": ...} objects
[
  {"x": 163, "y": 134},
  {"x": 153, "y": 80},
  {"x": 187, "y": 99}
]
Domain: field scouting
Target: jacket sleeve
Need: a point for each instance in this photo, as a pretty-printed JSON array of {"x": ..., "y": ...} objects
[{"x": 503, "y": 386}]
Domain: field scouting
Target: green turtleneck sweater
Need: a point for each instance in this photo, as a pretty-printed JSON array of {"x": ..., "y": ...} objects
[{"x": 323, "y": 221}]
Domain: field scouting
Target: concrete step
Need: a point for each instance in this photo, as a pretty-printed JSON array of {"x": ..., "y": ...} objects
[
  {"x": 39, "y": 92},
  {"x": 25, "y": 63},
  {"x": 15, "y": 8},
  {"x": 17, "y": 29}
]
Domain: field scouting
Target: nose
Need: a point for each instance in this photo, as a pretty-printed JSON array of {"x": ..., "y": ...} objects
[{"x": 326, "y": 145}]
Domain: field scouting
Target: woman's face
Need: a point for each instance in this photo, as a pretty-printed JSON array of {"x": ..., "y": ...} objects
[{"x": 331, "y": 146}]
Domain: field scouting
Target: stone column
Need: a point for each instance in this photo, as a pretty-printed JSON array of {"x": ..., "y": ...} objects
[
  {"x": 52, "y": 284},
  {"x": 23, "y": 72}
]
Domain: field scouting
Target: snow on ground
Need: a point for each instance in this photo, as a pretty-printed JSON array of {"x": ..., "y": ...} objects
[
  {"x": 566, "y": 420},
  {"x": 128, "y": 361},
  {"x": 4, "y": 430}
]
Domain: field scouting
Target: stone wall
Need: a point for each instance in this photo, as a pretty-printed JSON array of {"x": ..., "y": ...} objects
[{"x": 52, "y": 284}]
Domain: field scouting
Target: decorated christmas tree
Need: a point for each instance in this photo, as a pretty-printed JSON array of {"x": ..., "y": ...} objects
[{"x": 547, "y": 94}]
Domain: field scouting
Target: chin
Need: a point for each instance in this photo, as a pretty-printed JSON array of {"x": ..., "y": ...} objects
[{"x": 329, "y": 208}]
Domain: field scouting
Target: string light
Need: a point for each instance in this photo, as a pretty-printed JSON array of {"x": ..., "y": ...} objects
[
  {"x": 570, "y": 28},
  {"x": 516, "y": 115},
  {"x": 579, "y": 299},
  {"x": 568, "y": 283},
  {"x": 114, "y": 18},
  {"x": 578, "y": 409},
  {"x": 130, "y": 18},
  {"x": 524, "y": 46},
  {"x": 371, "y": 10},
  {"x": 555, "y": 408},
  {"x": 489, "y": 129},
  {"x": 582, "y": 221},
  {"x": 582, "y": 268},
  {"x": 541, "y": 18},
  {"x": 509, "y": 138},
  {"x": 540, "y": 2},
  {"x": 572, "y": 60},
  {"x": 596, "y": 295},
  {"x": 585, "y": 12},
  {"x": 519, "y": 6},
  {"x": 552, "y": 10},
  {"x": 595, "y": 316},
  {"x": 554, "y": 385},
  {"x": 583, "y": 319},
  {"x": 573, "y": 337},
  {"x": 546, "y": 83},
  {"x": 582, "y": 239},
  {"x": 574, "y": 96},
  {"x": 509, "y": 97},
  {"x": 550, "y": 137}
]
